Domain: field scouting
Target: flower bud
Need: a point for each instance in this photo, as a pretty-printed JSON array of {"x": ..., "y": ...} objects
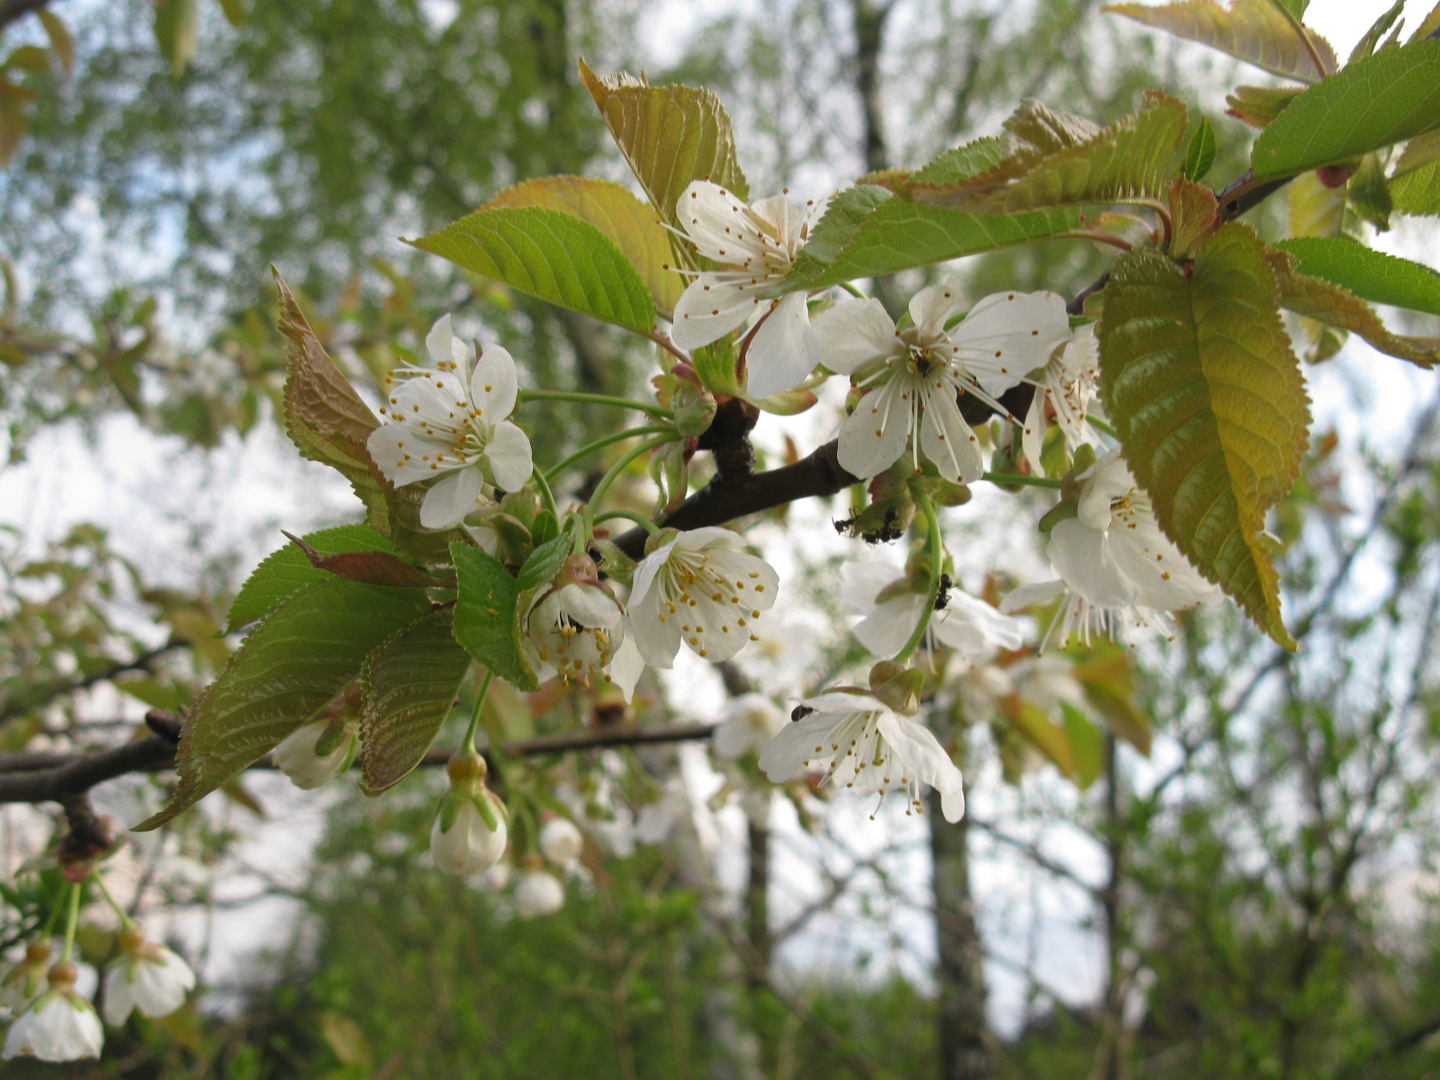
[
  {"x": 560, "y": 841},
  {"x": 469, "y": 834},
  {"x": 539, "y": 893},
  {"x": 897, "y": 686}
]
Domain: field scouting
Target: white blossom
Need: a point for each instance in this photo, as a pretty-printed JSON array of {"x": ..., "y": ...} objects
[
  {"x": 24, "y": 980},
  {"x": 865, "y": 747},
  {"x": 560, "y": 841},
  {"x": 297, "y": 755},
  {"x": 1115, "y": 565},
  {"x": 891, "y": 608},
  {"x": 469, "y": 834},
  {"x": 1067, "y": 385},
  {"x": 701, "y": 589},
  {"x": 754, "y": 247},
  {"x": 450, "y": 422},
  {"x": 576, "y": 630},
  {"x": 751, "y": 721},
  {"x": 915, "y": 376},
  {"x": 59, "y": 1025},
  {"x": 147, "y": 977},
  {"x": 538, "y": 893}
]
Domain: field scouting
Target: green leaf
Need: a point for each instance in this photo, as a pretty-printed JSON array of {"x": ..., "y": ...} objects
[
  {"x": 1366, "y": 45},
  {"x": 1253, "y": 30},
  {"x": 1259, "y": 105},
  {"x": 31, "y": 58},
  {"x": 61, "y": 40},
  {"x": 485, "y": 615},
  {"x": 1369, "y": 274},
  {"x": 1193, "y": 214},
  {"x": 1087, "y": 748},
  {"x": 1415, "y": 180},
  {"x": 670, "y": 135},
  {"x": 1373, "y": 103},
  {"x": 1335, "y": 306},
  {"x": 371, "y": 567},
  {"x": 1108, "y": 678},
  {"x": 410, "y": 684},
  {"x": 962, "y": 163},
  {"x": 1200, "y": 151},
  {"x": 552, "y": 255},
  {"x": 899, "y": 235},
  {"x": 13, "y": 120},
  {"x": 1047, "y": 736},
  {"x": 288, "y": 570},
  {"x": 309, "y": 648},
  {"x": 177, "y": 32},
  {"x": 543, "y": 564},
  {"x": 715, "y": 364},
  {"x": 630, "y": 224},
  {"x": 329, "y": 423},
  {"x": 235, "y": 13},
  {"x": 1369, "y": 194},
  {"x": 1125, "y": 162},
  {"x": 1316, "y": 208},
  {"x": 1210, "y": 406}
]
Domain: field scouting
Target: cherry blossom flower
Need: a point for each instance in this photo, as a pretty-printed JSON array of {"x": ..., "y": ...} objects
[
  {"x": 1116, "y": 567},
  {"x": 538, "y": 893},
  {"x": 450, "y": 422},
  {"x": 915, "y": 376},
  {"x": 699, "y": 588},
  {"x": 59, "y": 1025},
  {"x": 754, "y": 247},
  {"x": 891, "y": 608},
  {"x": 300, "y": 758},
  {"x": 863, "y": 745},
  {"x": 751, "y": 721},
  {"x": 1067, "y": 385},
  {"x": 576, "y": 630},
  {"x": 560, "y": 841},
  {"x": 147, "y": 977},
  {"x": 22, "y": 983},
  {"x": 469, "y": 834}
]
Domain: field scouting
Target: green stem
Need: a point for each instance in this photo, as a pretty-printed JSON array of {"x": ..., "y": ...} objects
[
  {"x": 936, "y": 552},
  {"x": 545, "y": 493},
  {"x": 600, "y": 444},
  {"x": 72, "y": 920},
  {"x": 615, "y": 470},
  {"x": 126, "y": 922},
  {"x": 630, "y": 515},
  {"x": 468, "y": 746},
  {"x": 594, "y": 399},
  {"x": 1020, "y": 478},
  {"x": 852, "y": 290}
]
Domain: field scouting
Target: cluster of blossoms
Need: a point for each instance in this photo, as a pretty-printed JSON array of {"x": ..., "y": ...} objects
[
  {"x": 57, "y": 1023},
  {"x": 451, "y": 422}
]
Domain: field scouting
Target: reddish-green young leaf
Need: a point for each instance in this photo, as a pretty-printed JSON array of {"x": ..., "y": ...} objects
[
  {"x": 1210, "y": 406},
  {"x": 289, "y": 569},
  {"x": 1125, "y": 162},
  {"x": 1372, "y": 103},
  {"x": 550, "y": 254},
  {"x": 1335, "y": 306},
  {"x": 329, "y": 423},
  {"x": 1108, "y": 678},
  {"x": 1087, "y": 748},
  {"x": 306, "y": 651},
  {"x": 410, "y": 683},
  {"x": 670, "y": 135},
  {"x": 1253, "y": 30},
  {"x": 61, "y": 40},
  {"x": 1194, "y": 212},
  {"x": 1200, "y": 151},
  {"x": 1047, "y": 736},
  {"x": 371, "y": 567},
  {"x": 632, "y": 225},
  {"x": 1259, "y": 105},
  {"x": 485, "y": 615},
  {"x": 1369, "y": 274}
]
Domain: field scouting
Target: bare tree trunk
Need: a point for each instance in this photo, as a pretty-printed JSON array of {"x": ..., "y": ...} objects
[{"x": 967, "y": 1050}]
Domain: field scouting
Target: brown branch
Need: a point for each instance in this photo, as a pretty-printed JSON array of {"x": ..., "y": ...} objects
[
  {"x": 78, "y": 773},
  {"x": 12, "y": 10}
]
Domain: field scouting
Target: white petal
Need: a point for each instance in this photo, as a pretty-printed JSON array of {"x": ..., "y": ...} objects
[
  {"x": 1164, "y": 578},
  {"x": 508, "y": 457},
  {"x": 470, "y": 846},
  {"x": 539, "y": 893},
  {"x": 946, "y": 439},
  {"x": 447, "y": 503},
  {"x": 932, "y": 306},
  {"x": 626, "y": 667},
  {"x": 713, "y": 219},
  {"x": 972, "y": 627},
  {"x": 1039, "y": 592},
  {"x": 862, "y": 581},
  {"x": 783, "y": 352},
  {"x": 924, "y": 758},
  {"x": 1007, "y": 335},
  {"x": 784, "y": 216},
  {"x": 794, "y": 746},
  {"x": 709, "y": 308},
  {"x": 1032, "y": 434},
  {"x": 1082, "y": 556},
  {"x": 492, "y": 384},
  {"x": 440, "y": 341},
  {"x": 1105, "y": 481},
  {"x": 855, "y": 334},
  {"x": 875, "y": 434},
  {"x": 887, "y": 629}
]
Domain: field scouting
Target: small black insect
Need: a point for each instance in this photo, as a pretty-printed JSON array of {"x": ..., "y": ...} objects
[
  {"x": 886, "y": 532},
  {"x": 842, "y": 526},
  {"x": 922, "y": 363},
  {"x": 800, "y": 712},
  {"x": 942, "y": 597}
]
